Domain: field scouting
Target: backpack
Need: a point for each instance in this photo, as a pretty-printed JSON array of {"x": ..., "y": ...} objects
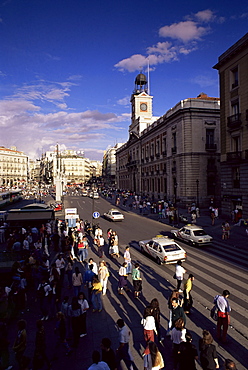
[{"x": 214, "y": 312}]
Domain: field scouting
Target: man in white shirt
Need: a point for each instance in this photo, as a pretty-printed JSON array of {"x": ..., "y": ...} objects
[
  {"x": 123, "y": 349},
  {"x": 180, "y": 271},
  {"x": 97, "y": 364}
]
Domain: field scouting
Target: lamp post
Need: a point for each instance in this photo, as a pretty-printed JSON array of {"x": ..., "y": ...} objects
[{"x": 197, "y": 193}]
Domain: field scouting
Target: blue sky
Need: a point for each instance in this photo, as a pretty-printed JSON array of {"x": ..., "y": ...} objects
[{"x": 67, "y": 67}]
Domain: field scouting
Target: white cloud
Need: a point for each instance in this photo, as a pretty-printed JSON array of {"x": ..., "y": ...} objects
[
  {"x": 183, "y": 31},
  {"x": 185, "y": 35},
  {"x": 205, "y": 16},
  {"x": 124, "y": 101},
  {"x": 33, "y": 131},
  {"x": 204, "y": 80}
]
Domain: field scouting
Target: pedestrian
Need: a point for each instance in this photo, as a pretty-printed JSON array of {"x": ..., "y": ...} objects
[
  {"x": 77, "y": 281},
  {"x": 96, "y": 294},
  {"x": 179, "y": 272},
  {"x": 4, "y": 347},
  {"x": 83, "y": 250},
  {"x": 156, "y": 314},
  {"x": 224, "y": 233},
  {"x": 127, "y": 259},
  {"x": 44, "y": 296},
  {"x": 176, "y": 312},
  {"x": 153, "y": 360},
  {"x": 103, "y": 275},
  {"x": 74, "y": 312},
  {"x": 227, "y": 227},
  {"x": 177, "y": 336},
  {"x": 108, "y": 355},
  {"x": 123, "y": 349},
  {"x": 97, "y": 364},
  {"x": 69, "y": 272},
  {"x": 149, "y": 326},
  {"x": 88, "y": 280},
  {"x": 40, "y": 355},
  {"x": 229, "y": 365},
  {"x": 60, "y": 265},
  {"x": 223, "y": 314},
  {"x": 208, "y": 354},
  {"x": 60, "y": 330},
  {"x": 114, "y": 248},
  {"x": 188, "y": 300},
  {"x": 137, "y": 280},
  {"x": 122, "y": 284},
  {"x": 55, "y": 297},
  {"x": 84, "y": 308},
  {"x": 174, "y": 294},
  {"x": 94, "y": 266},
  {"x": 20, "y": 342},
  {"x": 100, "y": 242},
  {"x": 187, "y": 354}
]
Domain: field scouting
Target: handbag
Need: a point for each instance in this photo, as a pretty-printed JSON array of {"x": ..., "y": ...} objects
[{"x": 174, "y": 276}]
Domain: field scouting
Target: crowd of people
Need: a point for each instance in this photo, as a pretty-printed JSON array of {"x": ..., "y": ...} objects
[{"x": 87, "y": 283}]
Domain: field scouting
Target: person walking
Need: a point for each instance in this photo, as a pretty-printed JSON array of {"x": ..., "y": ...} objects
[
  {"x": 179, "y": 272},
  {"x": 74, "y": 312},
  {"x": 156, "y": 314},
  {"x": 77, "y": 281},
  {"x": 176, "y": 312},
  {"x": 177, "y": 336},
  {"x": 127, "y": 259},
  {"x": 137, "y": 280},
  {"x": 96, "y": 295},
  {"x": 103, "y": 275},
  {"x": 188, "y": 300},
  {"x": 97, "y": 364},
  {"x": 187, "y": 354},
  {"x": 122, "y": 284},
  {"x": 208, "y": 354},
  {"x": 108, "y": 355},
  {"x": 44, "y": 293},
  {"x": 223, "y": 314},
  {"x": 40, "y": 355},
  {"x": 84, "y": 308},
  {"x": 83, "y": 249},
  {"x": 174, "y": 294},
  {"x": 149, "y": 326},
  {"x": 20, "y": 343},
  {"x": 88, "y": 280},
  {"x": 153, "y": 360},
  {"x": 114, "y": 248},
  {"x": 123, "y": 349}
]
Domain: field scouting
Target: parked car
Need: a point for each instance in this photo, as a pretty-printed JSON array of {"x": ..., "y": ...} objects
[
  {"x": 114, "y": 215},
  {"x": 163, "y": 249},
  {"x": 192, "y": 234},
  {"x": 84, "y": 193}
]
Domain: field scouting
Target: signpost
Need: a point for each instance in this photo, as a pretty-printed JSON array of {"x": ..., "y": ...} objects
[{"x": 96, "y": 214}]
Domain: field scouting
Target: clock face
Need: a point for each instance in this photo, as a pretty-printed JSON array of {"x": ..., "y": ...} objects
[{"x": 143, "y": 106}]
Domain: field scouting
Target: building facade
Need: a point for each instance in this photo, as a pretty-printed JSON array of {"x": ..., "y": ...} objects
[
  {"x": 175, "y": 157},
  {"x": 13, "y": 167},
  {"x": 233, "y": 66},
  {"x": 109, "y": 165}
]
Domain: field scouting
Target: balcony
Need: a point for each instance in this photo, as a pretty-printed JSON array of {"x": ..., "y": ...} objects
[
  {"x": 234, "y": 122},
  {"x": 164, "y": 153},
  {"x": 234, "y": 157},
  {"x": 173, "y": 170},
  {"x": 157, "y": 155},
  {"x": 211, "y": 147},
  {"x": 174, "y": 150},
  {"x": 152, "y": 157}
]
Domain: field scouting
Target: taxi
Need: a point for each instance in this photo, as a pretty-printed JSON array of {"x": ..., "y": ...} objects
[
  {"x": 192, "y": 234},
  {"x": 163, "y": 249},
  {"x": 114, "y": 215}
]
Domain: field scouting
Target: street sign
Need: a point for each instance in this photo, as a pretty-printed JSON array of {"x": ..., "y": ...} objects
[
  {"x": 96, "y": 214},
  {"x": 70, "y": 211}
]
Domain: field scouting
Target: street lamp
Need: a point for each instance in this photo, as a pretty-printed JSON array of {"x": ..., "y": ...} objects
[{"x": 197, "y": 193}]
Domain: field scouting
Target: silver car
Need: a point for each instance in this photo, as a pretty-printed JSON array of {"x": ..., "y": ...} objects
[{"x": 194, "y": 235}]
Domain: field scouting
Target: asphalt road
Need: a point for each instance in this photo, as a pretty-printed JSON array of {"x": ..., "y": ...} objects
[{"x": 213, "y": 273}]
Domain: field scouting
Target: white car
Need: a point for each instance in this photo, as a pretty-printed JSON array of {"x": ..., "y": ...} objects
[
  {"x": 194, "y": 235},
  {"x": 113, "y": 215},
  {"x": 163, "y": 249},
  {"x": 84, "y": 193},
  {"x": 94, "y": 195}
]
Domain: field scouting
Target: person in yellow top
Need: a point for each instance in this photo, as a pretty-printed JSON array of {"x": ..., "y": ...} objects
[
  {"x": 96, "y": 294},
  {"x": 188, "y": 300}
]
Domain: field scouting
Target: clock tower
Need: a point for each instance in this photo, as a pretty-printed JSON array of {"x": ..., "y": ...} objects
[{"x": 141, "y": 103}]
